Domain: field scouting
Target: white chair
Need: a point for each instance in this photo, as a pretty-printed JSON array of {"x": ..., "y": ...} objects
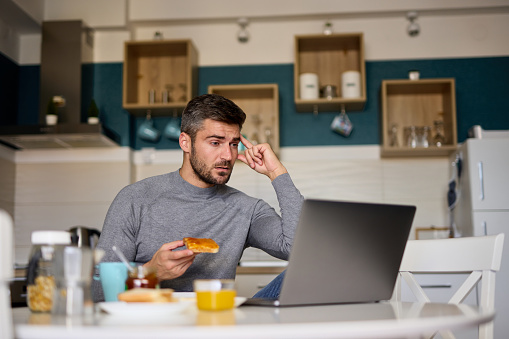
[
  {"x": 6, "y": 274},
  {"x": 481, "y": 256}
]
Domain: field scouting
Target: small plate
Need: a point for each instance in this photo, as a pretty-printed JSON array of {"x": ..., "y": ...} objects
[{"x": 144, "y": 309}]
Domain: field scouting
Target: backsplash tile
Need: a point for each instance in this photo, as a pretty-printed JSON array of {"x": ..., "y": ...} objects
[{"x": 61, "y": 194}]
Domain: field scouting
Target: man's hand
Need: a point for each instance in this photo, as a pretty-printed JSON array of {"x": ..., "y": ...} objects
[
  {"x": 262, "y": 159},
  {"x": 170, "y": 264}
]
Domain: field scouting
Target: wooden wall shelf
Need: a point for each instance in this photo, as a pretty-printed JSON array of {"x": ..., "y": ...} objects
[
  {"x": 159, "y": 65},
  {"x": 418, "y": 103},
  {"x": 329, "y": 56},
  {"x": 260, "y": 102}
]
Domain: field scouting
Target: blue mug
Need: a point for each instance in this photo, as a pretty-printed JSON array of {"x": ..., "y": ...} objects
[
  {"x": 112, "y": 276},
  {"x": 148, "y": 132},
  {"x": 172, "y": 129}
]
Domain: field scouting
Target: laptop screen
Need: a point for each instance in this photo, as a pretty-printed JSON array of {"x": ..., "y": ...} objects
[{"x": 346, "y": 252}]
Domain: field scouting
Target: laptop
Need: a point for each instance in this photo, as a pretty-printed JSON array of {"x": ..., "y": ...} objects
[{"x": 344, "y": 252}]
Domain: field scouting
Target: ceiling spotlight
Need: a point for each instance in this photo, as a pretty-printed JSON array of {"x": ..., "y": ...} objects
[
  {"x": 413, "y": 28},
  {"x": 243, "y": 35}
]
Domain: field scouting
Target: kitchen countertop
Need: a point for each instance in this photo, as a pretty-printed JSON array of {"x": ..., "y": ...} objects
[{"x": 261, "y": 267}]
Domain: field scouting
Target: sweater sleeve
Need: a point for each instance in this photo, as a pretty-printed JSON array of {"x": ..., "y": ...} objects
[
  {"x": 119, "y": 230},
  {"x": 273, "y": 233}
]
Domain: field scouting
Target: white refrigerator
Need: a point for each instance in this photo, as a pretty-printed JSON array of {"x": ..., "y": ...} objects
[{"x": 480, "y": 167}]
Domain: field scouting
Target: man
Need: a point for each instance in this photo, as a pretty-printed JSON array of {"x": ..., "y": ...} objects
[{"x": 148, "y": 219}]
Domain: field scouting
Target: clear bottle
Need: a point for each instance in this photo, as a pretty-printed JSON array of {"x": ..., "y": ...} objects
[{"x": 40, "y": 273}]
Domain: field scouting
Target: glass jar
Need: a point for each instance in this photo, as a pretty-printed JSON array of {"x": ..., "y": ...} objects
[
  {"x": 142, "y": 277},
  {"x": 40, "y": 273}
]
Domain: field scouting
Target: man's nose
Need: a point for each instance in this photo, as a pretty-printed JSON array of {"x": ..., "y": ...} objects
[{"x": 226, "y": 153}]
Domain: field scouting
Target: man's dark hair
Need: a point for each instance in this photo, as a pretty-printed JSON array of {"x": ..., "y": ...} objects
[{"x": 210, "y": 106}]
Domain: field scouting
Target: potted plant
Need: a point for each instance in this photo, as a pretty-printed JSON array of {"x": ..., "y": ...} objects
[
  {"x": 93, "y": 113},
  {"x": 51, "y": 113}
]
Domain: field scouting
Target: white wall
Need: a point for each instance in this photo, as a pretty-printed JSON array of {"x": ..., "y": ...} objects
[
  {"x": 449, "y": 29},
  {"x": 59, "y": 189},
  {"x": 353, "y": 173}
]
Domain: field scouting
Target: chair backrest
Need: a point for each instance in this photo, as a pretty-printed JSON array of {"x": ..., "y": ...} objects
[
  {"x": 6, "y": 273},
  {"x": 479, "y": 256}
]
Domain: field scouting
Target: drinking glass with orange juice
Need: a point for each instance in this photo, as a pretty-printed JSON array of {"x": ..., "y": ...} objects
[{"x": 215, "y": 294}]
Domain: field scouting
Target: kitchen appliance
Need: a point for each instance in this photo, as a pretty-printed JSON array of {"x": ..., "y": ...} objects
[
  {"x": 84, "y": 236},
  {"x": 66, "y": 49},
  {"x": 479, "y": 203},
  {"x": 478, "y": 132}
]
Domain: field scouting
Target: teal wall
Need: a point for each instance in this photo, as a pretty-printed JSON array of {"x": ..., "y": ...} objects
[{"x": 482, "y": 93}]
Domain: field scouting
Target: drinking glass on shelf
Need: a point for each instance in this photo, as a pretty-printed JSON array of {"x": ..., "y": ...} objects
[
  {"x": 183, "y": 97},
  {"x": 268, "y": 135},
  {"x": 411, "y": 136},
  {"x": 439, "y": 138},
  {"x": 393, "y": 136},
  {"x": 422, "y": 136}
]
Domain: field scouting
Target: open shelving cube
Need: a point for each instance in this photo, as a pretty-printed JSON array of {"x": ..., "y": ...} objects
[
  {"x": 260, "y": 102},
  {"x": 160, "y": 65},
  {"x": 329, "y": 56},
  {"x": 418, "y": 103}
]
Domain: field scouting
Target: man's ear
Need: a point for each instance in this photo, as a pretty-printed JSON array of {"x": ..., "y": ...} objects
[{"x": 185, "y": 142}]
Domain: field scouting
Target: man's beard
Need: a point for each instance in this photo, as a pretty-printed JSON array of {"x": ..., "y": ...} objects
[{"x": 205, "y": 174}]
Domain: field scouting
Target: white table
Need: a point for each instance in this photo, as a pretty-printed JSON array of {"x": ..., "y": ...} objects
[{"x": 381, "y": 320}]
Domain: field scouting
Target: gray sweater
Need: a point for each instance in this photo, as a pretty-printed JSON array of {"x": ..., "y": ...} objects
[{"x": 165, "y": 208}]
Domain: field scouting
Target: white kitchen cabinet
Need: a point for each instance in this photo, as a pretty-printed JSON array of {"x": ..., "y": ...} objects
[
  {"x": 489, "y": 223},
  {"x": 483, "y": 185},
  {"x": 485, "y": 167},
  {"x": 483, "y": 207}
]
